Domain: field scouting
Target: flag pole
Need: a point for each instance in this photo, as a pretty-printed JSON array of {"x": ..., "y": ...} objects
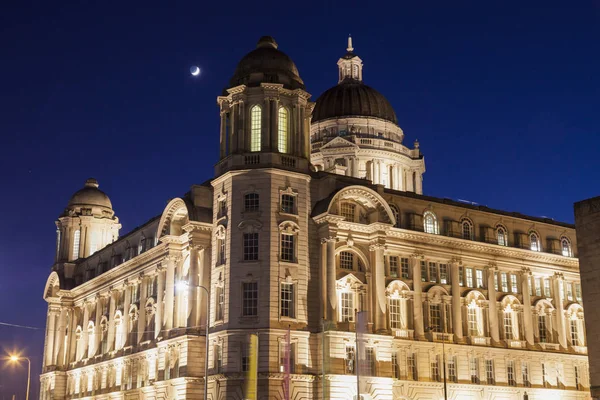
[{"x": 357, "y": 357}]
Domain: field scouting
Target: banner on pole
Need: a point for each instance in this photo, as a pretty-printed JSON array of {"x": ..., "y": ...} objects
[{"x": 251, "y": 381}]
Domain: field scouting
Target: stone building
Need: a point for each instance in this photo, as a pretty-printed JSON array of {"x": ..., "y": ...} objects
[{"x": 307, "y": 227}]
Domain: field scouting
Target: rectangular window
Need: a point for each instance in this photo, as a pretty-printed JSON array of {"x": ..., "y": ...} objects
[
  {"x": 347, "y": 210},
  {"x": 393, "y": 266},
  {"x": 250, "y": 299},
  {"x": 222, "y": 208},
  {"x": 538, "y": 286},
  {"x": 432, "y": 272},
  {"x": 547, "y": 291},
  {"x": 474, "y": 369},
  {"x": 411, "y": 366},
  {"x": 542, "y": 328},
  {"x": 525, "y": 373},
  {"x": 151, "y": 287},
  {"x": 472, "y": 321},
  {"x": 245, "y": 357},
  {"x": 479, "y": 278},
  {"x": 395, "y": 307},
  {"x": 508, "y": 329},
  {"x": 577, "y": 378},
  {"x": 569, "y": 291},
  {"x": 135, "y": 294},
  {"x": 221, "y": 248},
  {"x": 396, "y": 367},
  {"x": 504, "y": 282},
  {"x": 287, "y": 247},
  {"x": 287, "y": 300},
  {"x": 544, "y": 375},
  {"x": 435, "y": 369},
  {"x": 251, "y": 246},
  {"x": 76, "y": 237},
  {"x": 578, "y": 291},
  {"x": 513, "y": 283},
  {"x": 404, "y": 265},
  {"x": 452, "y": 369},
  {"x": 346, "y": 260},
  {"x": 469, "y": 277},
  {"x": 350, "y": 360},
  {"x": 574, "y": 332},
  {"x": 251, "y": 202},
  {"x": 510, "y": 372},
  {"x": 444, "y": 274},
  {"x": 283, "y": 349},
  {"x": 347, "y": 307},
  {"x": 496, "y": 281},
  {"x": 423, "y": 272},
  {"x": 489, "y": 372},
  {"x": 370, "y": 361},
  {"x": 219, "y": 299},
  {"x": 461, "y": 280},
  {"x": 218, "y": 358},
  {"x": 435, "y": 318},
  {"x": 288, "y": 204}
]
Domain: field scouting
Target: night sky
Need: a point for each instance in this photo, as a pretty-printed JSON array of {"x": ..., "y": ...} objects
[{"x": 503, "y": 99}]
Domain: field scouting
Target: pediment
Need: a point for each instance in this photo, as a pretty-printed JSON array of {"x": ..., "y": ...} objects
[{"x": 339, "y": 143}]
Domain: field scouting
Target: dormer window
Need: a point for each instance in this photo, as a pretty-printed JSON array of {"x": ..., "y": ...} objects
[
  {"x": 566, "y": 247},
  {"x": 467, "y": 229},
  {"x": 430, "y": 224},
  {"x": 502, "y": 237},
  {"x": 534, "y": 242}
]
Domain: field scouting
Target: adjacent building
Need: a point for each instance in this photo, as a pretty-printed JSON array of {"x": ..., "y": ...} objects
[{"x": 314, "y": 226}]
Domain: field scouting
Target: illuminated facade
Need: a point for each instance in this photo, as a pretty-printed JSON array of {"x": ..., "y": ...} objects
[{"x": 303, "y": 225}]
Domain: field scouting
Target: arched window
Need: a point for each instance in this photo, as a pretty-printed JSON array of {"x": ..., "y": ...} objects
[
  {"x": 255, "y": 128},
  {"x": 566, "y": 247},
  {"x": 467, "y": 229},
  {"x": 76, "y": 238},
  {"x": 430, "y": 223},
  {"x": 502, "y": 236},
  {"x": 534, "y": 241},
  {"x": 282, "y": 140},
  {"x": 475, "y": 314},
  {"x": 349, "y": 261},
  {"x": 576, "y": 325},
  {"x": 510, "y": 318},
  {"x": 351, "y": 294}
]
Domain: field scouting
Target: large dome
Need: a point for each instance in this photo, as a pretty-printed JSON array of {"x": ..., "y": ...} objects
[
  {"x": 353, "y": 98},
  {"x": 266, "y": 64},
  {"x": 90, "y": 195}
]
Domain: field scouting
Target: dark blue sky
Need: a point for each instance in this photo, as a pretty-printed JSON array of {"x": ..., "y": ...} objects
[{"x": 503, "y": 98}]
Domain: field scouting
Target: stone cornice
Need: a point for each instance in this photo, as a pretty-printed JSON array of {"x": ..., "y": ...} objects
[{"x": 328, "y": 218}]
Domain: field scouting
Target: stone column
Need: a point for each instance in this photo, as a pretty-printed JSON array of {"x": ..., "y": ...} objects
[
  {"x": 204, "y": 280},
  {"x": 323, "y": 281},
  {"x": 59, "y": 337},
  {"x": 274, "y": 125},
  {"x": 527, "y": 315},
  {"x": 419, "y": 182},
  {"x": 97, "y": 329},
  {"x": 50, "y": 334},
  {"x": 266, "y": 125},
  {"x": 194, "y": 291},
  {"x": 111, "y": 319},
  {"x": 456, "y": 301},
  {"x": 126, "y": 305},
  {"x": 239, "y": 128},
  {"x": 160, "y": 289},
  {"x": 417, "y": 298},
  {"x": 558, "y": 294},
  {"x": 376, "y": 172},
  {"x": 169, "y": 292},
  {"x": 222, "y": 135},
  {"x": 73, "y": 336},
  {"x": 378, "y": 296},
  {"x": 331, "y": 279},
  {"x": 142, "y": 310},
  {"x": 82, "y": 347},
  {"x": 233, "y": 127},
  {"x": 492, "y": 304}
]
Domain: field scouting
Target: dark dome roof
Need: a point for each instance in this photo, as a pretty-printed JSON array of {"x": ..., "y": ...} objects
[
  {"x": 266, "y": 64},
  {"x": 90, "y": 195},
  {"x": 353, "y": 98}
]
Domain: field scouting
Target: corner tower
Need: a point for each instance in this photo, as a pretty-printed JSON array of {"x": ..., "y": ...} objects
[
  {"x": 265, "y": 113},
  {"x": 355, "y": 132}
]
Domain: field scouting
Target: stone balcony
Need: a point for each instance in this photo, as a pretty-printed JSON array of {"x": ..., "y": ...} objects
[
  {"x": 516, "y": 344},
  {"x": 479, "y": 340},
  {"x": 408, "y": 334}
]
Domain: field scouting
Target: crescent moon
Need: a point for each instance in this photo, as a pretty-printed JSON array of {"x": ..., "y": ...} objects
[{"x": 195, "y": 71}]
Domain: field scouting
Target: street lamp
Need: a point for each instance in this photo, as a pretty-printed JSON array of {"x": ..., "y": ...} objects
[
  {"x": 183, "y": 285},
  {"x": 443, "y": 360},
  {"x": 16, "y": 359}
]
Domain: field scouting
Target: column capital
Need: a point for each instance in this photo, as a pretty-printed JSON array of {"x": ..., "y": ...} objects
[
  {"x": 418, "y": 255},
  {"x": 492, "y": 266},
  {"x": 377, "y": 246},
  {"x": 329, "y": 239},
  {"x": 526, "y": 271},
  {"x": 456, "y": 260},
  {"x": 559, "y": 276}
]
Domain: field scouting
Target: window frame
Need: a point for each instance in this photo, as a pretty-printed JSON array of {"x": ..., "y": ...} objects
[
  {"x": 250, "y": 309},
  {"x": 255, "y": 128},
  {"x": 251, "y": 202},
  {"x": 283, "y": 124},
  {"x": 430, "y": 223}
]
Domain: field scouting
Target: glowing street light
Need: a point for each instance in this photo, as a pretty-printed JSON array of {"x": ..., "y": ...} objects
[{"x": 15, "y": 359}]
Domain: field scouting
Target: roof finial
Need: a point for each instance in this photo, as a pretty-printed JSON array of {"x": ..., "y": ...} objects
[{"x": 350, "y": 49}]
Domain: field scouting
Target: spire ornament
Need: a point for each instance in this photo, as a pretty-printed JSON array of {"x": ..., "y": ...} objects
[{"x": 349, "y": 49}]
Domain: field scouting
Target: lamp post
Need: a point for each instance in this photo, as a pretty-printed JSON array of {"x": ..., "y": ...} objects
[
  {"x": 443, "y": 361},
  {"x": 16, "y": 359},
  {"x": 183, "y": 285}
]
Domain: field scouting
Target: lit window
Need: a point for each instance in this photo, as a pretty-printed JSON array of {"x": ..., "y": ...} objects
[
  {"x": 467, "y": 230},
  {"x": 430, "y": 222},
  {"x": 578, "y": 291},
  {"x": 469, "y": 277},
  {"x": 435, "y": 318},
  {"x": 251, "y": 246},
  {"x": 474, "y": 369},
  {"x": 220, "y": 300},
  {"x": 288, "y": 203},
  {"x": 538, "y": 286},
  {"x": 346, "y": 260},
  {"x": 566, "y": 247},
  {"x": 287, "y": 300},
  {"x": 347, "y": 210},
  {"x": 444, "y": 273},
  {"x": 347, "y": 307},
  {"x": 479, "y": 278},
  {"x": 251, "y": 202},
  {"x": 255, "y": 133},
  {"x": 547, "y": 292},
  {"x": 250, "y": 299},
  {"x": 534, "y": 242},
  {"x": 510, "y": 371},
  {"x": 472, "y": 321},
  {"x": 504, "y": 282},
  {"x": 283, "y": 130},
  {"x": 404, "y": 267},
  {"x": 569, "y": 291},
  {"x": 432, "y": 272},
  {"x": 461, "y": 280},
  {"x": 76, "y": 238},
  {"x": 395, "y": 314},
  {"x": 513, "y": 283},
  {"x": 393, "y": 266},
  {"x": 287, "y": 247},
  {"x": 501, "y": 232},
  {"x": 489, "y": 371}
]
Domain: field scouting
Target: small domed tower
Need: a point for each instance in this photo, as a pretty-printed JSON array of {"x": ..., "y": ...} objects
[
  {"x": 265, "y": 113},
  {"x": 87, "y": 225},
  {"x": 355, "y": 132}
]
